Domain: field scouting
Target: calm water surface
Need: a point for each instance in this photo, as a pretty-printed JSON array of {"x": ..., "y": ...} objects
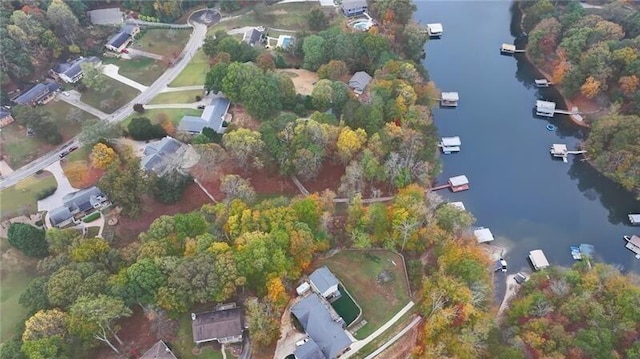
[{"x": 527, "y": 199}]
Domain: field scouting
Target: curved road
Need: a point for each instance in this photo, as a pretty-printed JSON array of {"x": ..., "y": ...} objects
[{"x": 195, "y": 41}]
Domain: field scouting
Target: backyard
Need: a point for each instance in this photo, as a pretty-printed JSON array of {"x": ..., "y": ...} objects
[
  {"x": 188, "y": 96},
  {"x": 360, "y": 271},
  {"x": 22, "y": 198},
  {"x": 194, "y": 73},
  {"x": 291, "y": 16},
  {"x": 140, "y": 69},
  {"x": 158, "y": 115},
  {"x": 165, "y": 42},
  {"x": 184, "y": 344},
  {"x": 22, "y": 149},
  {"x": 115, "y": 96}
]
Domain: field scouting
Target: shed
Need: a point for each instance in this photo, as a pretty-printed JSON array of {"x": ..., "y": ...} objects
[
  {"x": 434, "y": 30},
  {"x": 324, "y": 282},
  {"x": 459, "y": 183},
  {"x": 545, "y": 108},
  {"x": 458, "y": 205},
  {"x": 634, "y": 219},
  {"x": 359, "y": 81},
  {"x": 483, "y": 235},
  {"x": 303, "y": 288},
  {"x": 449, "y": 99},
  {"x": 538, "y": 259}
]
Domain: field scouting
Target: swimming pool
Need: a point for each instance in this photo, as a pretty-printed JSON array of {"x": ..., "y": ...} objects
[{"x": 362, "y": 25}]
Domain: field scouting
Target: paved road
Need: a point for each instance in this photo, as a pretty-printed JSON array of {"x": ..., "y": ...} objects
[{"x": 195, "y": 41}]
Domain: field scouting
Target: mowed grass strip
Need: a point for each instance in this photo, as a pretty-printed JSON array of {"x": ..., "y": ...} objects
[
  {"x": 158, "y": 115},
  {"x": 358, "y": 271},
  {"x": 194, "y": 73},
  {"x": 13, "y": 283},
  {"x": 116, "y": 95},
  {"x": 188, "y": 96},
  {"x": 22, "y": 198},
  {"x": 140, "y": 69},
  {"x": 164, "y": 42}
]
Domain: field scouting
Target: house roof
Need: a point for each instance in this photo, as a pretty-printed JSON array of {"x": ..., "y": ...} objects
[
  {"x": 59, "y": 215},
  {"x": 252, "y": 36},
  {"x": 458, "y": 205},
  {"x": 483, "y": 235},
  {"x": 157, "y": 153},
  {"x": 458, "y": 180},
  {"x": 129, "y": 28},
  {"x": 450, "y": 96},
  {"x": 538, "y": 259},
  {"x": 545, "y": 105},
  {"x": 323, "y": 279},
  {"x": 212, "y": 117},
  {"x": 359, "y": 80},
  {"x": 33, "y": 94},
  {"x": 159, "y": 350},
  {"x": 83, "y": 199},
  {"x": 118, "y": 39},
  {"x": 353, "y": 4},
  {"x": 4, "y": 113},
  {"x": 105, "y": 16},
  {"x": 309, "y": 350},
  {"x": 217, "y": 325},
  {"x": 317, "y": 322},
  {"x": 72, "y": 69},
  {"x": 635, "y": 240},
  {"x": 559, "y": 148}
]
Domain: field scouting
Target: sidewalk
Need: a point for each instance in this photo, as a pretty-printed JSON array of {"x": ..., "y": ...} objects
[{"x": 112, "y": 71}]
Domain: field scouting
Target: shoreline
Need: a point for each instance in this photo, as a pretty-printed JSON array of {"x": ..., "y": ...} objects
[{"x": 568, "y": 104}]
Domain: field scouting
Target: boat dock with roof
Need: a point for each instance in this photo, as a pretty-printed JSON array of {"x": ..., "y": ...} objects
[
  {"x": 542, "y": 83},
  {"x": 510, "y": 49},
  {"x": 483, "y": 235},
  {"x": 634, "y": 219},
  {"x": 449, "y": 99},
  {"x": 560, "y": 150},
  {"x": 450, "y": 144},
  {"x": 633, "y": 244},
  {"x": 538, "y": 259},
  {"x": 457, "y": 184}
]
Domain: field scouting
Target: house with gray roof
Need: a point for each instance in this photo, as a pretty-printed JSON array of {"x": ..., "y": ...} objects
[
  {"x": 254, "y": 36},
  {"x": 122, "y": 39},
  {"x": 159, "y": 350},
  {"x": 213, "y": 116},
  {"x": 324, "y": 282},
  {"x": 39, "y": 94},
  {"x": 224, "y": 326},
  {"x": 308, "y": 350},
  {"x": 77, "y": 205},
  {"x": 106, "y": 16},
  {"x": 71, "y": 72},
  {"x": 163, "y": 156},
  {"x": 353, "y": 7},
  {"x": 323, "y": 325},
  {"x": 359, "y": 82}
]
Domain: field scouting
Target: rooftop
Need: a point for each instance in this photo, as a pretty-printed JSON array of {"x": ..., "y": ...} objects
[
  {"x": 252, "y": 36},
  {"x": 118, "y": 39},
  {"x": 351, "y": 4},
  {"x": 83, "y": 199},
  {"x": 212, "y": 117},
  {"x": 451, "y": 141},
  {"x": 157, "y": 154},
  {"x": 323, "y": 279},
  {"x": 545, "y": 105},
  {"x": 450, "y": 96},
  {"x": 217, "y": 325},
  {"x": 360, "y": 80},
  {"x": 483, "y": 235},
  {"x": 309, "y": 350},
  {"x": 159, "y": 350},
  {"x": 434, "y": 28},
  {"x": 635, "y": 240},
  {"x": 538, "y": 259},
  {"x": 458, "y": 180},
  {"x": 33, "y": 94}
]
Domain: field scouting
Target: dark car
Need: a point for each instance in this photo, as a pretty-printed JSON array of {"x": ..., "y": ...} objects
[
  {"x": 201, "y": 107},
  {"x": 68, "y": 151},
  {"x": 72, "y": 148}
]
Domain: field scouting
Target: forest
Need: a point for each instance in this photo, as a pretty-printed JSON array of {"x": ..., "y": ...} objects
[{"x": 594, "y": 53}]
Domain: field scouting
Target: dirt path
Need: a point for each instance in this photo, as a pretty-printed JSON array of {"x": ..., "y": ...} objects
[
  {"x": 303, "y": 80},
  {"x": 512, "y": 290}
]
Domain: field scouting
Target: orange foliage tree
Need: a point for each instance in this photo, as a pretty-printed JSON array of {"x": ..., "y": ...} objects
[
  {"x": 591, "y": 87},
  {"x": 629, "y": 84}
]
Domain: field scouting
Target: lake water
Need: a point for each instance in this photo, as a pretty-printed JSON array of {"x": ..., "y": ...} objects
[{"x": 527, "y": 199}]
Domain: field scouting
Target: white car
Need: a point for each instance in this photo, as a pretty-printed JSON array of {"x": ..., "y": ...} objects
[{"x": 302, "y": 342}]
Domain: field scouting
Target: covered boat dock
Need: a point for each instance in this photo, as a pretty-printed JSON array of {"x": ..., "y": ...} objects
[
  {"x": 449, "y": 99},
  {"x": 538, "y": 259},
  {"x": 634, "y": 219},
  {"x": 450, "y": 144}
]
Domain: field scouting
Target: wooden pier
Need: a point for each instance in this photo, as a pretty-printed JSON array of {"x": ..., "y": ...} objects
[
  {"x": 442, "y": 186},
  {"x": 457, "y": 184},
  {"x": 510, "y": 49},
  {"x": 560, "y": 151}
]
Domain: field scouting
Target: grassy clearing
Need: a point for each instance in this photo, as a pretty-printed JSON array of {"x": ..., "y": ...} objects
[
  {"x": 23, "y": 196},
  {"x": 21, "y": 149},
  {"x": 13, "y": 314},
  {"x": 194, "y": 73},
  {"x": 81, "y": 154},
  {"x": 115, "y": 96},
  {"x": 291, "y": 16},
  {"x": 157, "y": 115},
  {"x": 358, "y": 271},
  {"x": 141, "y": 69},
  {"x": 184, "y": 343},
  {"x": 177, "y": 97},
  {"x": 163, "y": 42}
]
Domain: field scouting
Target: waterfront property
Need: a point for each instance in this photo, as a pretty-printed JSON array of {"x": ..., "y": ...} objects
[
  {"x": 545, "y": 108},
  {"x": 542, "y": 83},
  {"x": 214, "y": 116},
  {"x": 449, "y": 99},
  {"x": 538, "y": 259},
  {"x": 224, "y": 325},
  {"x": 483, "y": 235},
  {"x": 353, "y": 7},
  {"x": 633, "y": 244},
  {"x": 159, "y": 350},
  {"x": 359, "y": 82},
  {"x": 450, "y": 144},
  {"x": 71, "y": 72},
  {"x": 634, "y": 219},
  {"x": 434, "y": 30}
]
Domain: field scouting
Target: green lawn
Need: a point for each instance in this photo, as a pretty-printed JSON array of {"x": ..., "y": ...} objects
[
  {"x": 284, "y": 16},
  {"x": 358, "y": 271},
  {"x": 116, "y": 95},
  {"x": 21, "y": 149},
  {"x": 141, "y": 69},
  {"x": 13, "y": 314},
  {"x": 184, "y": 343},
  {"x": 163, "y": 42},
  {"x": 156, "y": 115},
  {"x": 22, "y": 197},
  {"x": 194, "y": 73},
  {"x": 81, "y": 154},
  {"x": 188, "y": 96}
]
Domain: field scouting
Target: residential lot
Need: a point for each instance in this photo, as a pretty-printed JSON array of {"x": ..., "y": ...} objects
[
  {"x": 115, "y": 96},
  {"x": 358, "y": 271},
  {"x": 194, "y": 73},
  {"x": 165, "y": 42},
  {"x": 290, "y": 16},
  {"x": 140, "y": 69},
  {"x": 184, "y": 343},
  {"x": 158, "y": 115},
  {"x": 188, "y": 96},
  {"x": 22, "y": 198}
]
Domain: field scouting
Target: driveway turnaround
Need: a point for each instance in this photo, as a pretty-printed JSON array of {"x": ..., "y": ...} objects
[
  {"x": 111, "y": 70},
  {"x": 64, "y": 188}
]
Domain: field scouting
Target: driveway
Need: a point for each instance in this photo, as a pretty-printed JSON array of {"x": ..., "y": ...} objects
[
  {"x": 137, "y": 53},
  {"x": 111, "y": 70},
  {"x": 5, "y": 169},
  {"x": 64, "y": 188},
  {"x": 73, "y": 98},
  {"x": 240, "y": 30}
]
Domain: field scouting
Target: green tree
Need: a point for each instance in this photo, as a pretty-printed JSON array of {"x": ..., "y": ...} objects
[
  {"x": 93, "y": 77},
  {"x": 263, "y": 321},
  {"x": 11, "y": 349},
  {"x": 94, "y": 131},
  {"x": 334, "y": 70},
  {"x": 44, "y": 324},
  {"x": 101, "y": 311},
  {"x": 39, "y": 120},
  {"x": 28, "y": 239},
  {"x": 168, "y": 188},
  {"x": 64, "y": 21},
  {"x": 141, "y": 129},
  {"x": 314, "y": 51},
  {"x": 317, "y": 20},
  {"x": 63, "y": 287},
  {"x": 34, "y": 297},
  {"x": 139, "y": 283},
  {"x": 51, "y": 347},
  {"x": 244, "y": 146},
  {"x": 322, "y": 95},
  {"x": 213, "y": 80},
  {"x": 125, "y": 185}
]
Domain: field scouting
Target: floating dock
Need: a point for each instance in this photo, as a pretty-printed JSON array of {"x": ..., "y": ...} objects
[
  {"x": 450, "y": 144},
  {"x": 542, "y": 83},
  {"x": 634, "y": 219},
  {"x": 633, "y": 244},
  {"x": 538, "y": 259},
  {"x": 449, "y": 99},
  {"x": 545, "y": 108},
  {"x": 456, "y": 184},
  {"x": 434, "y": 30},
  {"x": 509, "y": 49},
  {"x": 458, "y": 205},
  {"x": 483, "y": 235},
  {"x": 560, "y": 150}
]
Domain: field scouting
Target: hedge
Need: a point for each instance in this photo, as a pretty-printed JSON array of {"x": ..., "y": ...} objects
[{"x": 92, "y": 217}]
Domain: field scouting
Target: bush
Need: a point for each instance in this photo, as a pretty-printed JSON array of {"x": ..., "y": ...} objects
[
  {"x": 141, "y": 129},
  {"x": 92, "y": 217},
  {"x": 139, "y": 108},
  {"x": 45, "y": 193},
  {"x": 168, "y": 189},
  {"x": 28, "y": 239},
  {"x": 198, "y": 98}
]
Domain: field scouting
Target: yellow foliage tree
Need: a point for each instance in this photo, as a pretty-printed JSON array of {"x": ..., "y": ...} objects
[
  {"x": 102, "y": 156},
  {"x": 350, "y": 142},
  {"x": 629, "y": 84},
  {"x": 276, "y": 293},
  {"x": 560, "y": 70},
  {"x": 591, "y": 87},
  {"x": 44, "y": 324}
]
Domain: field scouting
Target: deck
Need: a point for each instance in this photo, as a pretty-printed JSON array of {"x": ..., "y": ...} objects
[{"x": 443, "y": 186}]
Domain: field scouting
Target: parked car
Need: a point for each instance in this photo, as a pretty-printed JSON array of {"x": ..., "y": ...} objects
[
  {"x": 125, "y": 51},
  {"x": 201, "y": 107},
  {"x": 67, "y": 151},
  {"x": 302, "y": 342}
]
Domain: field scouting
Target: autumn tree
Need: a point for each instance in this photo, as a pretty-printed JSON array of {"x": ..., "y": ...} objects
[
  {"x": 265, "y": 62},
  {"x": 44, "y": 324},
  {"x": 234, "y": 186},
  {"x": 350, "y": 142},
  {"x": 125, "y": 185},
  {"x": 591, "y": 87},
  {"x": 102, "y": 156},
  {"x": 276, "y": 293},
  {"x": 629, "y": 84},
  {"x": 101, "y": 312},
  {"x": 245, "y": 147},
  {"x": 263, "y": 321},
  {"x": 333, "y": 70}
]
